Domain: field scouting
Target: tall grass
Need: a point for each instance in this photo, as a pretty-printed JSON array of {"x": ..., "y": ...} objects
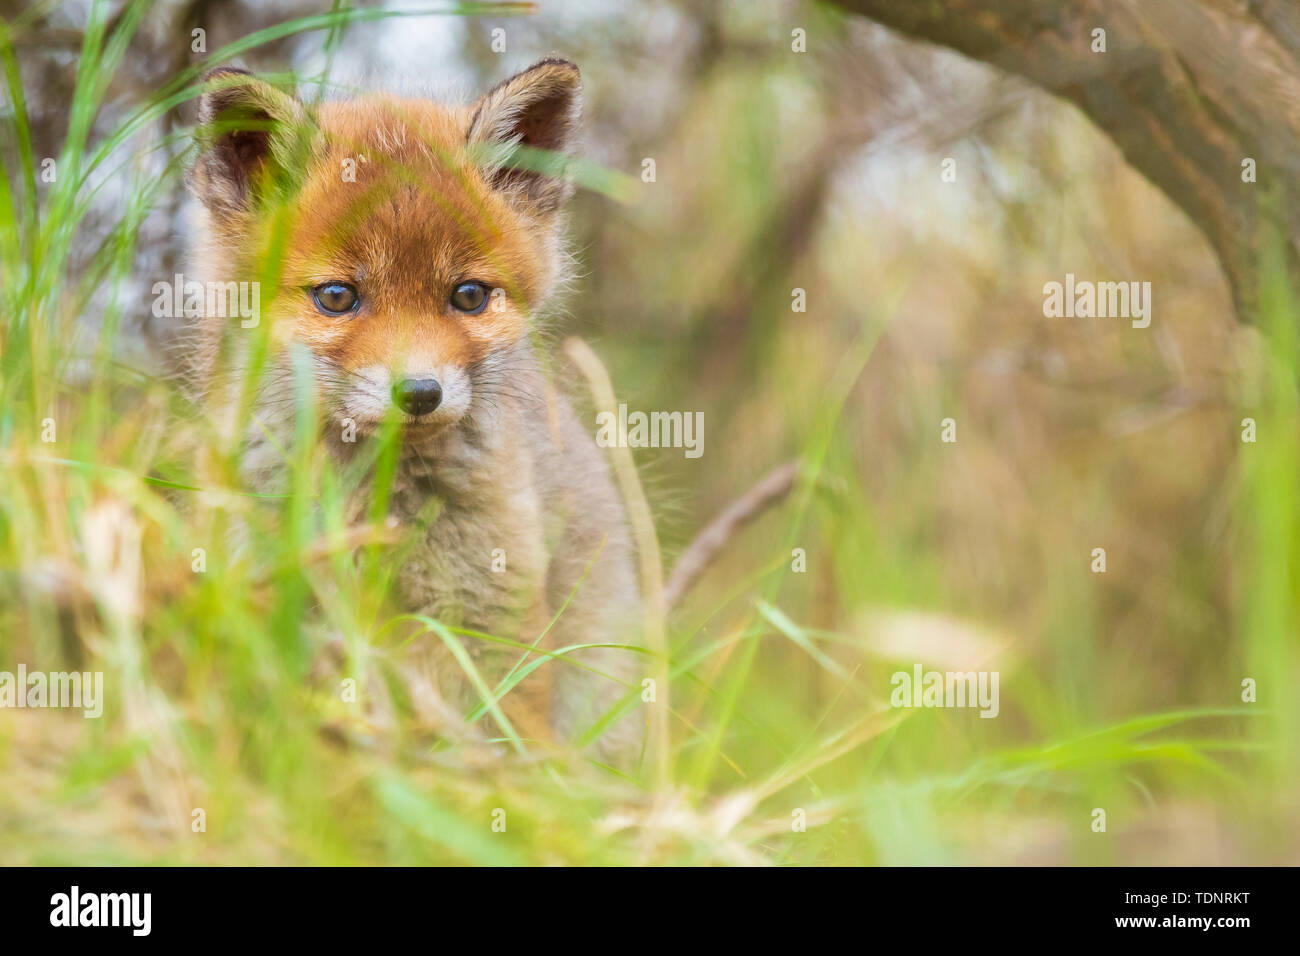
[{"x": 224, "y": 669}]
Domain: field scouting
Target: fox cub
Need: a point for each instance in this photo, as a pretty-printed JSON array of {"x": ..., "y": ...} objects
[{"x": 410, "y": 243}]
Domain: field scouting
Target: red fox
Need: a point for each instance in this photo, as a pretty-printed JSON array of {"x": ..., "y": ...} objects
[{"x": 411, "y": 258}]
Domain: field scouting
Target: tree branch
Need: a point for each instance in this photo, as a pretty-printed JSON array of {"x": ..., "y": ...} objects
[
  {"x": 702, "y": 551},
  {"x": 1187, "y": 89}
]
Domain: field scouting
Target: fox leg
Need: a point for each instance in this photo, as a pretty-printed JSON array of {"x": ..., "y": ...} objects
[{"x": 528, "y": 704}]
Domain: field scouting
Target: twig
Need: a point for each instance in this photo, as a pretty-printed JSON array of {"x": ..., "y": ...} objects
[{"x": 701, "y": 552}]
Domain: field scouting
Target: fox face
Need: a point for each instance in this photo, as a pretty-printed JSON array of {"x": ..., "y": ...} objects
[{"x": 404, "y": 250}]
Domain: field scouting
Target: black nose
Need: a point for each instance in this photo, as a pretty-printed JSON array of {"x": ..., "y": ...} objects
[{"x": 417, "y": 396}]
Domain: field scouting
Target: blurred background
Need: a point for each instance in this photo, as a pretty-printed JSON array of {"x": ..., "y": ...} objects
[{"x": 774, "y": 171}]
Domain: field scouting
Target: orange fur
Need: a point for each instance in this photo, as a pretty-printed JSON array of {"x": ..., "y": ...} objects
[
  {"x": 395, "y": 198},
  {"x": 418, "y": 219}
]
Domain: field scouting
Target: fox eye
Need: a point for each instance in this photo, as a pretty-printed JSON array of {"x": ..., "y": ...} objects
[
  {"x": 470, "y": 297},
  {"x": 335, "y": 298}
]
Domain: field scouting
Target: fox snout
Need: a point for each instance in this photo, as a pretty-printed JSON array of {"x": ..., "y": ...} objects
[
  {"x": 417, "y": 396},
  {"x": 430, "y": 396}
]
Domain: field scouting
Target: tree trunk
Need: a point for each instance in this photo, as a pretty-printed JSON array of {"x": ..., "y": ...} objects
[{"x": 1188, "y": 89}]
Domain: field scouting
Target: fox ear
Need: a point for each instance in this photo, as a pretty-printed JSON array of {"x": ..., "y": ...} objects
[
  {"x": 538, "y": 109},
  {"x": 247, "y": 135}
]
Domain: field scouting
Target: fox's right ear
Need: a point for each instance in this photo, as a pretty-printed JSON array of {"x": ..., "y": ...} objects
[{"x": 248, "y": 135}]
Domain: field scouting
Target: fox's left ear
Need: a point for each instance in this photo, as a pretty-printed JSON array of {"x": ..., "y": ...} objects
[{"x": 539, "y": 109}]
